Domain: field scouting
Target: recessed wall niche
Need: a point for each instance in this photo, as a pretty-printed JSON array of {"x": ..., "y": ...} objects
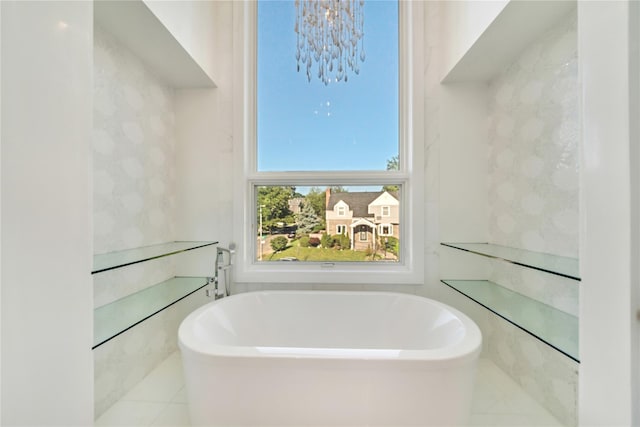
[
  {"x": 140, "y": 69},
  {"x": 509, "y": 158}
]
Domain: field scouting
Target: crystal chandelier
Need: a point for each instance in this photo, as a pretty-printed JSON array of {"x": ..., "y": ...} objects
[{"x": 329, "y": 32}]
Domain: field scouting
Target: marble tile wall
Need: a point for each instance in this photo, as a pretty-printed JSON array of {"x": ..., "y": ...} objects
[
  {"x": 534, "y": 146},
  {"x": 112, "y": 285},
  {"x": 133, "y": 147},
  {"x": 432, "y": 106},
  {"x": 237, "y": 288},
  {"x": 557, "y": 291}
]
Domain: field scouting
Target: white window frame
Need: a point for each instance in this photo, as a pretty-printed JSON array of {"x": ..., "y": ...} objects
[
  {"x": 365, "y": 234},
  {"x": 341, "y": 210},
  {"x": 381, "y": 226},
  {"x": 341, "y": 226},
  {"x": 410, "y": 177},
  {"x": 382, "y": 211}
]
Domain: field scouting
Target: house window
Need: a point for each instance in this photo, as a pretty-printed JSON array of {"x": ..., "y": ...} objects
[
  {"x": 386, "y": 210},
  {"x": 288, "y": 127},
  {"x": 363, "y": 236},
  {"x": 385, "y": 229}
]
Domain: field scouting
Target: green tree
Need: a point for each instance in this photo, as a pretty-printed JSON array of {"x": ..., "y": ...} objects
[
  {"x": 317, "y": 199},
  {"x": 393, "y": 164},
  {"x": 307, "y": 219},
  {"x": 275, "y": 204},
  {"x": 279, "y": 243}
]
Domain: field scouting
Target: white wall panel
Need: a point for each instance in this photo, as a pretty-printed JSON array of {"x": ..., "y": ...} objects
[
  {"x": 605, "y": 292},
  {"x": 47, "y": 369}
]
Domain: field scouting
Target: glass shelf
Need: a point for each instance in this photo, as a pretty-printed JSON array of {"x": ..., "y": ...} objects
[
  {"x": 554, "y": 264},
  {"x": 111, "y": 260},
  {"x": 112, "y": 319},
  {"x": 554, "y": 327}
]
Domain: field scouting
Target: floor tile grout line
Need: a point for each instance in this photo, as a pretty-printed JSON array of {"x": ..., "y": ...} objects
[{"x": 158, "y": 414}]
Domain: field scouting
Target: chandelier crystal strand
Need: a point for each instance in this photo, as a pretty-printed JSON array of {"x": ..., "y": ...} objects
[{"x": 330, "y": 33}]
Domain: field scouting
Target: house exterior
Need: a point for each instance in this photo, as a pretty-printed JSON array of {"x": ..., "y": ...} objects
[{"x": 365, "y": 216}]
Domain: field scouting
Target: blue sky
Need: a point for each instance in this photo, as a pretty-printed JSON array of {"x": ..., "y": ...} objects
[{"x": 306, "y": 125}]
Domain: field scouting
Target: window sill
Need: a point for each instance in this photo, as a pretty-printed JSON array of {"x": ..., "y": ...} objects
[{"x": 329, "y": 272}]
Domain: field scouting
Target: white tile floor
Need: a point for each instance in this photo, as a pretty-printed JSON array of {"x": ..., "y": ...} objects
[{"x": 160, "y": 400}]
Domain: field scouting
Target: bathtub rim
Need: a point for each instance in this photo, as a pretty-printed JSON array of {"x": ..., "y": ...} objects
[{"x": 467, "y": 349}]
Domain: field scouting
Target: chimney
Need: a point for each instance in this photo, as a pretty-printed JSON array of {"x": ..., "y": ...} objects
[{"x": 327, "y": 195}]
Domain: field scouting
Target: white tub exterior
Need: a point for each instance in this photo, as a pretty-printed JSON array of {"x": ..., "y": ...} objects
[{"x": 328, "y": 358}]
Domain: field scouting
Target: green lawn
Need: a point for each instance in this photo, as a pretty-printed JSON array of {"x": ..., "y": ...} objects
[{"x": 319, "y": 254}]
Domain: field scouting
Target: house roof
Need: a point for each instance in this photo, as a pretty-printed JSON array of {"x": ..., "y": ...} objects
[{"x": 358, "y": 201}]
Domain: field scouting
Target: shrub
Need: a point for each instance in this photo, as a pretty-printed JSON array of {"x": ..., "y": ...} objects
[
  {"x": 304, "y": 241},
  {"x": 279, "y": 243},
  {"x": 345, "y": 242},
  {"x": 341, "y": 240},
  {"x": 314, "y": 241},
  {"x": 392, "y": 245},
  {"x": 326, "y": 241}
]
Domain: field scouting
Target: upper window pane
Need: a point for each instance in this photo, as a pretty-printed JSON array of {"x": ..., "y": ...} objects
[{"x": 345, "y": 125}]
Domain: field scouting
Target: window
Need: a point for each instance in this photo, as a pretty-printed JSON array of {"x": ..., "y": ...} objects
[
  {"x": 386, "y": 210},
  {"x": 385, "y": 230},
  {"x": 289, "y": 127}
]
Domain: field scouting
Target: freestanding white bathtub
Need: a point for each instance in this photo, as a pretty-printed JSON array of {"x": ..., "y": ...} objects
[{"x": 328, "y": 358}]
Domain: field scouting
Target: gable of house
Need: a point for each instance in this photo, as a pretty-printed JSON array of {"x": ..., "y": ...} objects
[
  {"x": 359, "y": 202},
  {"x": 385, "y": 208}
]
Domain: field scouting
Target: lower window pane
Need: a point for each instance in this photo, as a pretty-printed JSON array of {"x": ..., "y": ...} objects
[{"x": 328, "y": 224}]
